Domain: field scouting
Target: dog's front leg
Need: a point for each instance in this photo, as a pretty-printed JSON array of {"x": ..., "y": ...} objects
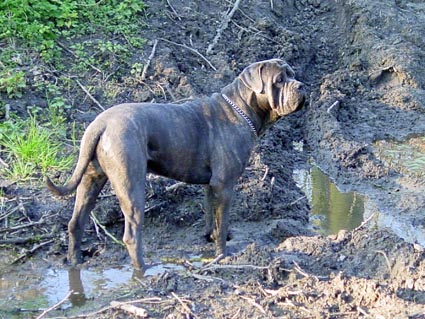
[{"x": 217, "y": 218}]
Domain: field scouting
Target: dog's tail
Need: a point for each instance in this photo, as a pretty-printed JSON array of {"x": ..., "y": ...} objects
[{"x": 87, "y": 149}]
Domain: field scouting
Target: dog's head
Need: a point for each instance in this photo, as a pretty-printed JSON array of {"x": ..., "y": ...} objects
[{"x": 274, "y": 85}]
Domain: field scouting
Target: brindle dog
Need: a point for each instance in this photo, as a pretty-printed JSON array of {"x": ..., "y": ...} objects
[{"x": 206, "y": 141}]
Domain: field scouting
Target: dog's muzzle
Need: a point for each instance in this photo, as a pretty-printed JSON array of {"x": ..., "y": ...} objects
[{"x": 294, "y": 96}]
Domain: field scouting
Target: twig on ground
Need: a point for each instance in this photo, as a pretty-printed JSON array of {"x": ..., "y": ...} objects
[
  {"x": 216, "y": 260},
  {"x": 154, "y": 300},
  {"x": 236, "y": 315},
  {"x": 303, "y": 273},
  {"x": 185, "y": 307},
  {"x": 386, "y": 260},
  {"x": 148, "y": 62},
  {"x": 174, "y": 186},
  {"x": 213, "y": 267},
  {"x": 23, "y": 240},
  {"x": 190, "y": 98},
  {"x": 296, "y": 201},
  {"x": 173, "y": 97},
  {"x": 207, "y": 278},
  {"x": 90, "y": 96},
  {"x": 255, "y": 304},
  {"x": 45, "y": 312},
  {"x": 10, "y": 212},
  {"x": 147, "y": 210},
  {"x": 256, "y": 32},
  {"x": 31, "y": 224},
  {"x": 136, "y": 311},
  {"x": 265, "y": 173},
  {"x": 362, "y": 311},
  {"x": 3, "y": 163},
  {"x": 223, "y": 26},
  {"x": 31, "y": 251},
  {"x": 107, "y": 233},
  {"x": 363, "y": 223},
  {"x": 191, "y": 50},
  {"x": 172, "y": 9},
  {"x": 330, "y": 108}
]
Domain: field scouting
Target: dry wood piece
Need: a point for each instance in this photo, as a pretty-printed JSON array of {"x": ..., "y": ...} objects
[
  {"x": 148, "y": 62},
  {"x": 89, "y": 95},
  {"x": 45, "y": 312},
  {"x": 172, "y": 9},
  {"x": 223, "y": 26},
  {"x": 136, "y": 311},
  {"x": 191, "y": 50},
  {"x": 31, "y": 251},
  {"x": 185, "y": 307}
]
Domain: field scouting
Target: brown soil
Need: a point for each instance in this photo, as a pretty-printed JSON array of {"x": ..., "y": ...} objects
[{"x": 363, "y": 58}]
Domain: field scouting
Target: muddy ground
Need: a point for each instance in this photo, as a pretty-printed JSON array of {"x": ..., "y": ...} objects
[{"x": 363, "y": 62}]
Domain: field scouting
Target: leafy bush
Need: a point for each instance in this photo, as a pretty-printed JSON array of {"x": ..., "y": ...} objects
[
  {"x": 40, "y": 22},
  {"x": 12, "y": 82}
]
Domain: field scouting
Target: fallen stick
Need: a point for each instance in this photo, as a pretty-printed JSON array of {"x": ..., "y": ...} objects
[
  {"x": 3, "y": 163},
  {"x": 386, "y": 260},
  {"x": 137, "y": 311},
  {"x": 223, "y": 26},
  {"x": 174, "y": 186},
  {"x": 96, "y": 221},
  {"x": 23, "y": 240},
  {"x": 90, "y": 96},
  {"x": 216, "y": 260},
  {"x": 31, "y": 251},
  {"x": 213, "y": 267},
  {"x": 14, "y": 228},
  {"x": 185, "y": 307},
  {"x": 95, "y": 313},
  {"x": 255, "y": 304},
  {"x": 148, "y": 62},
  {"x": 191, "y": 50},
  {"x": 174, "y": 11},
  {"x": 45, "y": 312}
]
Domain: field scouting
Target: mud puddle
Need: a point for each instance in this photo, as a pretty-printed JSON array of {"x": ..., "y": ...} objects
[
  {"x": 331, "y": 209},
  {"x": 25, "y": 292}
]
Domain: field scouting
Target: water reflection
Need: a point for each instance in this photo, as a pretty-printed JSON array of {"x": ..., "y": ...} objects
[
  {"x": 34, "y": 290},
  {"x": 78, "y": 297},
  {"x": 331, "y": 209}
]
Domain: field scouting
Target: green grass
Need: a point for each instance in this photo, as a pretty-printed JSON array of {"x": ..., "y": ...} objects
[
  {"x": 31, "y": 150},
  {"x": 45, "y": 46}
]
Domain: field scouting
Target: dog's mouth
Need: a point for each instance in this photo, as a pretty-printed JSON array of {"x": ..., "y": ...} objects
[{"x": 292, "y": 98}]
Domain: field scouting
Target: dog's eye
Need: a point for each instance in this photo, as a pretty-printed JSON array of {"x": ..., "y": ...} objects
[{"x": 280, "y": 79}]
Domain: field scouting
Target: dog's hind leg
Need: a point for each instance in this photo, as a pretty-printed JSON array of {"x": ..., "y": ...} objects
[
  {"x": 87, "y": 191},
  {"x": 129, "y": 186}
]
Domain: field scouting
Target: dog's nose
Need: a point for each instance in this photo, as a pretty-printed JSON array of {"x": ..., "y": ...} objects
[{"x": 298, "y": 85}]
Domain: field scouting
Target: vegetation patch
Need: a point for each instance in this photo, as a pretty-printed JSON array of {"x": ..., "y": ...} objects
[
  {"x": 31, "y": 148},
  {"x": 46, "y": 46}
]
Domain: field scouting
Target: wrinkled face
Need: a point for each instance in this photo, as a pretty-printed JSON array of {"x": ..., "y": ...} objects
[{"x": 274, "y": 84}]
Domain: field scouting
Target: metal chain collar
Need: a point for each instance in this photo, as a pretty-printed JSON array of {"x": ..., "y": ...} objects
[{"x": 241, "y": 113}]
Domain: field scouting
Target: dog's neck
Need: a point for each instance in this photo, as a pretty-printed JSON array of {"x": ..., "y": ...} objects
[{"x": 247, "y": 101}]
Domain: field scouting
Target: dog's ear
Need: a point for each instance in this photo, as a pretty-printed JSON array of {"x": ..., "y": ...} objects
[{"x": 252, "y": 77}]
